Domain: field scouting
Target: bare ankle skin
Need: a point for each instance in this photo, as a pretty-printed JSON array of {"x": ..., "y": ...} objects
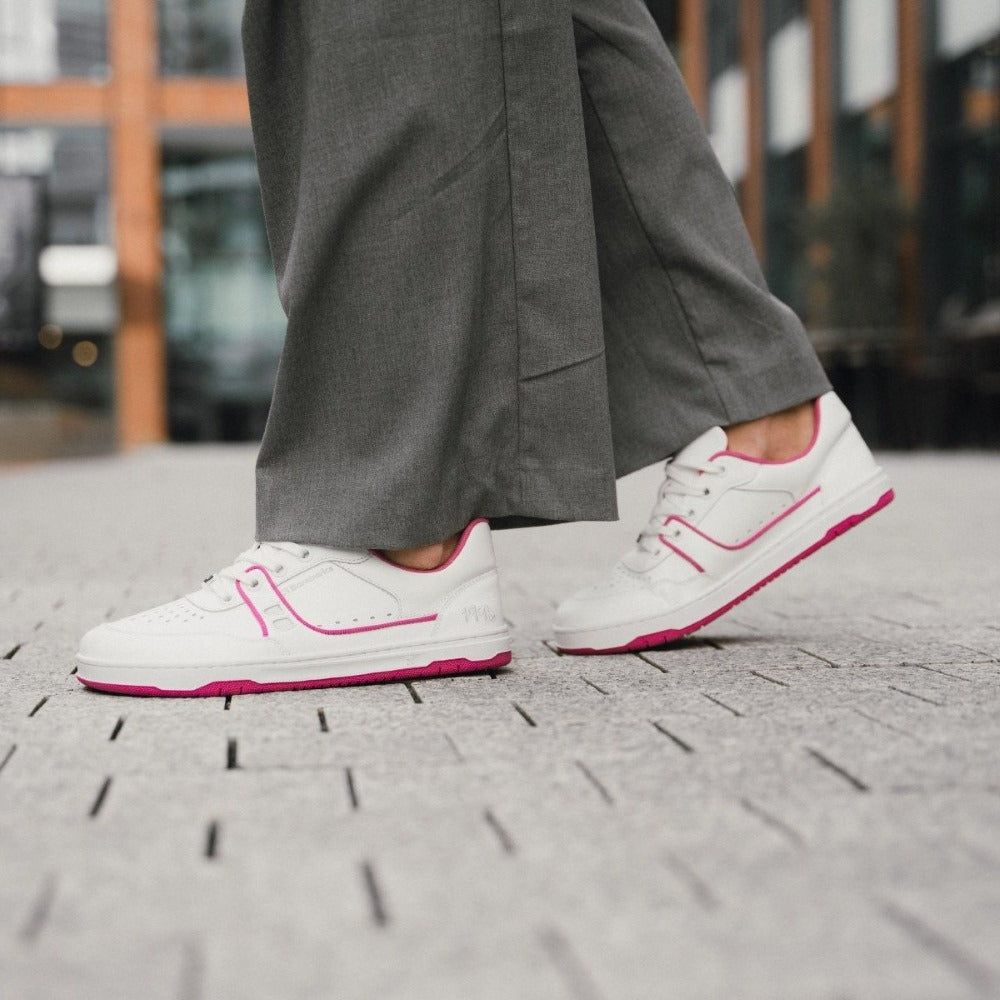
[
  {"x": 774, "y": 438},
  {"x": 423, "y": 556}
]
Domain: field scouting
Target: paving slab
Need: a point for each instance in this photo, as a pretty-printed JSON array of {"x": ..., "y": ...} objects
[{"x": 800, "y": 802}]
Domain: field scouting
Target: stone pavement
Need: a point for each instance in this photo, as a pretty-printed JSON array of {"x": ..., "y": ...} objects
[{"x": 804, "y": 802}]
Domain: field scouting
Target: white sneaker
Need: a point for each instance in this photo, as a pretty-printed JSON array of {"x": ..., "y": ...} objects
[
  {"x": 286, "y": 616},
  {"x": 723, "y": 526}
]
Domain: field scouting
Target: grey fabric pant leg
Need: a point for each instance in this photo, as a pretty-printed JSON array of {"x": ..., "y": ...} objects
[
  {"x": 694, "y": 338},
  {"x": 426, "y": 171}
]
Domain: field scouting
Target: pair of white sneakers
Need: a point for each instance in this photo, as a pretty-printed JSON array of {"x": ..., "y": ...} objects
[{"x": 285, "y": 616}]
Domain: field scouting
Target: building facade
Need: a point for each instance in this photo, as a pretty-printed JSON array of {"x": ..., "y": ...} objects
[{"x": 861, "y": 136}]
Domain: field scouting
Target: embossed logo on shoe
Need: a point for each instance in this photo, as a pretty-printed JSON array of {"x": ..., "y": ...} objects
[{"x": 479, "y": 613}]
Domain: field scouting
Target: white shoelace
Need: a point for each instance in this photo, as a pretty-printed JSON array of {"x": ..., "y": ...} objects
[
  {"x": 271, "y": 555},
  {"x": 683, "y": 491}
]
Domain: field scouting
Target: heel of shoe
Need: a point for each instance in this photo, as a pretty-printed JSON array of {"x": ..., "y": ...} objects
[{"x": 848, "y": 465}]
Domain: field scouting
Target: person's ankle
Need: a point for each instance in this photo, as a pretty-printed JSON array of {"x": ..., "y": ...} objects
[
  {"x": 423, "y": 556},
  {"x": 777, "y": 437}
]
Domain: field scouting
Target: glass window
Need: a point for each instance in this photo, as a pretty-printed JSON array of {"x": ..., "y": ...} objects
[
  {"x": 961, "y": 216},
  {"x": 788, "y": 118},
  {"x": 727, "y": 89},
  {"x": 963, "y": 26},
  {"x": 225, "y": 325},
  {"x": 778, "y": 13},
  {"x": 42, "y": 40},
  {"x": 867, "y": 75},
  {"x": 68, "y": 170},
  {"x": 723, "y": 18},
  {"x": 868, "y": 53},
  {"x": 784, "y": 197},
  {"x": 727, "y": 116},
  {"x": 962, "y": 203},
  {"x": 789, "y": 86},
  {"x": 200, "y": 37},
  {"x": 57, "y": 292}
]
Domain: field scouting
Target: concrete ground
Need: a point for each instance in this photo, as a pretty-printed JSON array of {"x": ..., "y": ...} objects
[{"x": 803, "y": 802}]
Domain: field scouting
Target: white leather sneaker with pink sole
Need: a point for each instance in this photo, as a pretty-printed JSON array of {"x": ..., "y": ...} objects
[
  {"x": 286, "y": 616},
  {"x": 724, "y": 525}
]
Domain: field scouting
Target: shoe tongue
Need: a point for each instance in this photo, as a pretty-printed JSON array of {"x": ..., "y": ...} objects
[
  {"x": 701, "y": 449},
  {"x": 697, "y": 453}
]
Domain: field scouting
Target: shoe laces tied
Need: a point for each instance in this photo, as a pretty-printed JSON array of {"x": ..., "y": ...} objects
[
  {"x": 683, "y": 493},
  {"x": 271, "y": 555}
]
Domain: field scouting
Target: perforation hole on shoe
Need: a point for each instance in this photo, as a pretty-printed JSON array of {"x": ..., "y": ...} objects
[{"x": 165, "y": 614}]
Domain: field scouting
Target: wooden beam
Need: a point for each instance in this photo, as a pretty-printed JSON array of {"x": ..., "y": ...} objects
[
  {"x": 908, "y": 155},
  {"x": 819, "y": 152},
  {"x": 71, "y": 102},
  {"x": 193, "y": 101},
  {"x": 752, "y": 57},
  {"x": 694, "y": 53},
  {"x": 140, "y": 356},
  {"x": 909, "y": 107}
]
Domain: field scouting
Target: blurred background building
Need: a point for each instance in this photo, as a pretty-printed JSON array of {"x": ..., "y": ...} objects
[{"x": 137, "y": 301}]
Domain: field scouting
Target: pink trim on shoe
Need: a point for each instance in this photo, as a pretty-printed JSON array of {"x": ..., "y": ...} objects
[
  {"x": 682, "y": 554},
  {"x": 437, "y": 668},
  {"x": 748, "y": 541},
  {"x": 463, "y": 538},
  {"x": 253, "y": 609},
  {"x": 785, "y": 461},
  {"x": 333, "y": 631},
  {"x": 669, "y": 635}
]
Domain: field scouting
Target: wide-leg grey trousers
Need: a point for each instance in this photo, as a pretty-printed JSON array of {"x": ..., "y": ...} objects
[{"x": 512, "y": 267}]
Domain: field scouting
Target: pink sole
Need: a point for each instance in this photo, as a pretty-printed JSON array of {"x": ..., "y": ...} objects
[
  {"x": 659, "y": 638},
  {"x": 439, "y": 668}
]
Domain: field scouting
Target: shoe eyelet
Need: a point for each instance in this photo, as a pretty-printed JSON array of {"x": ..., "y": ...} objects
[
  {"x": 707, "y": 491},
  {"x": 279, "y": 569},
  {"x": 255, "y": 583},
  {"x": 305, "y": 554}
]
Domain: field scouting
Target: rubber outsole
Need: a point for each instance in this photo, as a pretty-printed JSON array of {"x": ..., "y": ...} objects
[
  {"x": 438, "y": 668},
  {"x": 670, "y": 635}
]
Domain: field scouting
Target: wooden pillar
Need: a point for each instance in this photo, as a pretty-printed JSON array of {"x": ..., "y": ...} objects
[
  {"x": 694, "y": 53},
  {"x": 140, "y": 355},
  {"x": 752, "y": 57},
  {"x": 819, "y": 152},
  {"x": 909, "y": 148},
  {"x": 909, "y": 163}
]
